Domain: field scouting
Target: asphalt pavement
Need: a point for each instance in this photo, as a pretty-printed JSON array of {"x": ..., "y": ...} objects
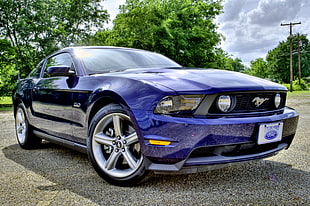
[{"x": 54, "y": 175}]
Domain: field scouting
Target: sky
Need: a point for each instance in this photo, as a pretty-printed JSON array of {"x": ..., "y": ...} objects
[{"x": 252, "y": 27}]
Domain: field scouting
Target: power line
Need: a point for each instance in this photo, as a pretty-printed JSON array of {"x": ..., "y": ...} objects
[{"x": 291, "y": 53}]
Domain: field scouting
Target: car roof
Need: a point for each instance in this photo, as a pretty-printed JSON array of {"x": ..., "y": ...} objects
[{"x": 71, "y": 49}]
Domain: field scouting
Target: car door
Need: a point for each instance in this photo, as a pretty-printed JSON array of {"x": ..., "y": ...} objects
[{"x": 52, "y": 98}]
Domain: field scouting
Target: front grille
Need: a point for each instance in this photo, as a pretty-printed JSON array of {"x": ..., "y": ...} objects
[
  {"x": 233, "y": 150},
  {"x": 245, "y": 103},
  {"x": 252, "y": 102}
]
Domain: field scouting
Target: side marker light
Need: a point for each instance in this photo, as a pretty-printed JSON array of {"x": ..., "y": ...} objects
[{"x": 159, "y": 142}]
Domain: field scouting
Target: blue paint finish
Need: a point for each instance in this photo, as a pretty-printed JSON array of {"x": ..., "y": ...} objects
[
  {"x": 191, "y": 133},
  {"x": 207, "y": 81},
  {"x": 68, "y": 102}
]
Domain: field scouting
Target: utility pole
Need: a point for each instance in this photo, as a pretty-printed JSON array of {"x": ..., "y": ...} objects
[
  {"x": 291, "y": 52},
  {"x": 299, "y": 64}
]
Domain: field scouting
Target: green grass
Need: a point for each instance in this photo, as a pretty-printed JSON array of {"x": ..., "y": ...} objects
[
  {"x": 5, "y": 100},
  {"x": 298, "y": 93},
  {"x": 5, "y": 104},
  {"x": 3, "y": 109}
]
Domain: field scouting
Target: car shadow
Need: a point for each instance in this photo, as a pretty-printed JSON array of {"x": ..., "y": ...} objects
[{"x": 71, "y": 170}]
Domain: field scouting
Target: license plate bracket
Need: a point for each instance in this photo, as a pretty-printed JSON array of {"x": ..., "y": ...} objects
[{"x": 270, "y": 132}]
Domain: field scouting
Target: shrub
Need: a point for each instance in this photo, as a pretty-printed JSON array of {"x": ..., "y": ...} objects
[{"x": 296, "y": 86}]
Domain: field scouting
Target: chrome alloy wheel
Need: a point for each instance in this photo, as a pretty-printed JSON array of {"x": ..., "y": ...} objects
[
  {"x": 21, "y": 125},
  {"x": 116, "y": 146}
]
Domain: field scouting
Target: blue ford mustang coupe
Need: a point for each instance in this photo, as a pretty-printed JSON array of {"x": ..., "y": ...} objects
[{"x": 135, "y": 111}]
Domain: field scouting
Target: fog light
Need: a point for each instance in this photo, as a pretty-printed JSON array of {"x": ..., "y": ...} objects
[
  {"x": 224, "y": 103},
  {"x": 159, "y": 142},
  {"x": 277, "y": 100}
]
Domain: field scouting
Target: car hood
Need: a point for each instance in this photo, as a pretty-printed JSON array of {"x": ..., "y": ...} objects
[{"x": 206, "y": 80}]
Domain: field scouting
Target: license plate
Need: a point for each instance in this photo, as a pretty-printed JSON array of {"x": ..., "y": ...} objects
[{"x": 270, "y": 132}]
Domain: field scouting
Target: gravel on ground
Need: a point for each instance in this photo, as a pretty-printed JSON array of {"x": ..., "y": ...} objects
[{"x": 54, "y": 175}]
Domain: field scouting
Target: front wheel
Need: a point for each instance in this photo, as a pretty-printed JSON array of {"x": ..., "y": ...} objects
[
  {"x": 114, "y": 148},
  {"x": 25, "y": 137}
]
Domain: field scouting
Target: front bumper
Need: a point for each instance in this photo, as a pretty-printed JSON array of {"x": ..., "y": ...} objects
[
  {"x": 208, "y": 143},
  {"x": 200, "y": 164}
]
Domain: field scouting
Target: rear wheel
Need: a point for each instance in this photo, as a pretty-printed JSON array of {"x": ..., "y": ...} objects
[
  {"x": 114, "y": 148},
  {"x": 23, "y": 129}
]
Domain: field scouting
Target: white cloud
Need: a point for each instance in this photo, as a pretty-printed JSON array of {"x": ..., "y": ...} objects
[
  {"x": 271, "y": 12},
  {"x": 252, "y": 27},
  {"x": 112, "y": 6},
  {"x": 234, "y": 11}
]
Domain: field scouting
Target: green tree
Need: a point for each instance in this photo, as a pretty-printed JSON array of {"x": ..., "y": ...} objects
[
  {"x": 225, "y": 61},
  {"x": 36, "y": 28},
  {"x": 182, "y": 30},
  {"x": 278, "y": 59},
  {"x": 258, "y": 68},
  {"x": 8, "y": 73}
]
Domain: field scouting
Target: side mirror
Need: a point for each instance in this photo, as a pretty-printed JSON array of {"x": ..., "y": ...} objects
[{"x": 60, "y": 71}]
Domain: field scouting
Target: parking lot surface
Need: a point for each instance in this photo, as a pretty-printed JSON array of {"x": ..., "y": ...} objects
[{"x": 54, "y": 175}]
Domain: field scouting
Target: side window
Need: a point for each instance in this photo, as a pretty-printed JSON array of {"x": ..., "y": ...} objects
[
  {"x": 35, "y": 74},
  {"x": 63, "y": 59}
]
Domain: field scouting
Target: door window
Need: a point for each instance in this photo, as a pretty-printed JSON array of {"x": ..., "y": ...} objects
[
  {"x": 35, "y": 74},
  {"x": 63, "y": 59}
]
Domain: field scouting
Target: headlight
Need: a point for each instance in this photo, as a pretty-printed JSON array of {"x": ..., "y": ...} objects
[
  {"x": 224, "y": 103},
  {"x": 277, "y": 101},
  {"x": 172, "y": 104}
]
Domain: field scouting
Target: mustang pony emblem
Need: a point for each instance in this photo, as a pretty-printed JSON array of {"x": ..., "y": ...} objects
[{"x": 259, "y": 101}]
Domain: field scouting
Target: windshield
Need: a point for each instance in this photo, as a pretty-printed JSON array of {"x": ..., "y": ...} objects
[{"x": 104, "y": 60}]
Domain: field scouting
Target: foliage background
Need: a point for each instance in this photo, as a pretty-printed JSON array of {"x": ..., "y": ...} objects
[
  {"x": 184, "y": 30},
  {"x": 32, "y": 29}
]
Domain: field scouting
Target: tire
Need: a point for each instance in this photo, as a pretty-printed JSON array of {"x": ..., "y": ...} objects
[
  {"x": 114, "y": 149},
  {"x": 26, "y": 139}
]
